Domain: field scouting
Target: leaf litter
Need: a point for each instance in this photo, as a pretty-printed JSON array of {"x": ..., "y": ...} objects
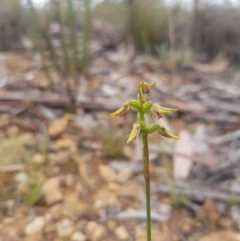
[{"x": 71, "y": 176}]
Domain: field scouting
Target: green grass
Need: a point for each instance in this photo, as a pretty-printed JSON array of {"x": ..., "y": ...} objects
[
  {"x": 177, "y": 58},
  {"x": 32, "y": 193},
  {"x": 177, "y": 200},
  {"x": 112, "y": 144}
]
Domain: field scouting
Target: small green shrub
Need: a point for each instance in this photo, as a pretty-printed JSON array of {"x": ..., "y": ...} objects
[
  {"x": 177, "y": 200},
  {"x": 177, "y": 57},
  {"x": 33, "y": 193},
  {"x": 112, "y": 144}
]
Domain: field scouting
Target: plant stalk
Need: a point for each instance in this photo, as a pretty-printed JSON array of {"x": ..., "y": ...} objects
[
  {"x": 86, "y": 33},
  {"x": 147, "y": 184},
  {"x": 146, "y": 171}
]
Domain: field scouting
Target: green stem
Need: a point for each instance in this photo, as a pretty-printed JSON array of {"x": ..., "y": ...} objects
[
  {"x": 146, "y": 171},
  {"x": 147, "y": 184},
  {"x": 86, "y": 33}
]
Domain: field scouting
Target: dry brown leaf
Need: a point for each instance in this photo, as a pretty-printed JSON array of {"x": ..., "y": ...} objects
[
  {"x": 222, "y": 236},
  {"x": 67, "y": 143},
  {"x": 57, "y": 127},
  {"x": 210, "y": 68},
  {"x": 107, "y": 173},
  {"x": 156, "y": 235},
  {"x": 208, "y": 213}
]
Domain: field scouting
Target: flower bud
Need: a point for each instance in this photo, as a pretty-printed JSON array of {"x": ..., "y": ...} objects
[
  {"x": 135, "y": 104},
  {"x": 146, "y": 87},
  {"x": 134, "y": 133},
  {"x": 152, "y": 128},
  {"x": 147, "y": 105}
]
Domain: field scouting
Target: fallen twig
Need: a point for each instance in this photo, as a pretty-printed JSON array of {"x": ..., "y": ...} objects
[
  {"x": 11, "y": 168},
  {"x": 198, "y": 194}
]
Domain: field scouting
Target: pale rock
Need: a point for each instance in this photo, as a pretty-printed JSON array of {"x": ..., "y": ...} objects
[
  {"x": 33, "y": 237},
  {"x": 8, "y": 220},
  {"x": 65, "y": 228},
  {"x": 86, "y": 121},
  {"x": 54, "y": 171},
  {"x": 35, "y": 226},
  {"x": 67, "y": 143},
  {"x": 121, "y": 233},
  {"x": 9, "y": 203},
  {"x": 124, "y": 175},
  {"x": 78, "y": 236},
  {"x": 113, "y": 186},
  {"x": 48, "y": 217},
  {"x": 98, "y": 204},
  {"x": 235, "y": 215},
  {"x": 4, "y": 119},
  {"x": 44, "y": 83},
  {"x": 131, "y": 190},
  {"x": 128, "y": 152},
  {"x": 112, "y": 224},
  {"x": 107, "y": 173},
  {"x": 95, "y": 231},
  {"x": 52, "y": 157},
  {"x": 62, "y": 156},
  {"x": 51, "y": 191},
  {"x": 107, "y": 196},
  {"x": 10, "y": 231},
  {"x": 56, "y": 211},
  {"x": 12, "y": 131},
  {"x": 165, "y": 208},
  {"x": 200, "y": 140},
  {"x": 181, "y": 163},
  {"x": 26, "y": 137},
  {"x": 120, "y": 165},
  {"x": 57, "y": 127},
  {"x": 68, "y": 180},
  {"x": 27, "y": 43},
  {"x": 29, "y": 76},
  {"x": 47, "y": 112},
  {"x": 226, "y": 223},
  {"x": 73, "y": 207},
  {"x": 38, "y": 158},
  {"x": 83, "y": 158},
  {"x": 2, "y": 135},
  {"x": 141, "y": 235},
  {"x": 108, "y": 90},
  {"x": 21, "y": 178},
  {"x": 221, "y": 236}
]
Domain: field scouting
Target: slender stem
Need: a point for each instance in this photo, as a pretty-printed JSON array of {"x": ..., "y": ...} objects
[
  {"x": 146, "y": 170},
  {"x": 86, "y": 33},
  {"x": 147, "y": 184}
]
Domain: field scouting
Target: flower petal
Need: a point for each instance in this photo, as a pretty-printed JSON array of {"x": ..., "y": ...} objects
[
  {"x": 122, "y": 110},
  {"x": 146, "y": 87},
  {"x": 134, "y": 133},
  {"x": 163, "y": 132},
  {"x": 157, "y": 111}
]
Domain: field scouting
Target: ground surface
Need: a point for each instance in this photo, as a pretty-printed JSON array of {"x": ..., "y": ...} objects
[{"x": 70, "y": 176}]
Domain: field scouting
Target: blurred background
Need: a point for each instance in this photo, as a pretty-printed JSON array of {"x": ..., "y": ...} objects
[{"x": 66, "y": 172}]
